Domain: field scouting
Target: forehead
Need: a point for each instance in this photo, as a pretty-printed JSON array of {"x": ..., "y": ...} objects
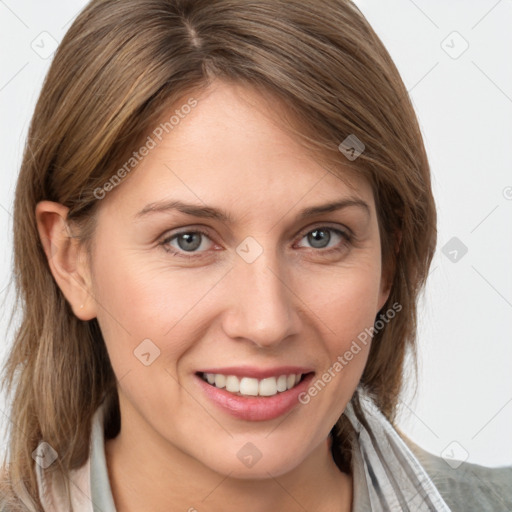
[{"x": 232, "y": 149}]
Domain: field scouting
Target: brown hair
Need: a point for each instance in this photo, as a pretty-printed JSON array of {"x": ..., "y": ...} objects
[{"x": 117, "y": 70}]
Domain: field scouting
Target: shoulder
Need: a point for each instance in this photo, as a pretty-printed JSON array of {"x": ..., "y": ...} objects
[{"x": 464, "y": 486}]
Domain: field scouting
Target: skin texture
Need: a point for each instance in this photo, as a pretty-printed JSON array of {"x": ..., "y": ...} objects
[{"x": 296, "y": 304}]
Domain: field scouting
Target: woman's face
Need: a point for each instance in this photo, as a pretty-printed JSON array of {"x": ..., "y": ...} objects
[{"x": 209, "y": 263}]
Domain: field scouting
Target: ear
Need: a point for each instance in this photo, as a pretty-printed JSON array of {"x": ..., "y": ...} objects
[
  {"x": 388, "y": 273},
  {"x": 66, "y": 258},
  {"x": 384, "y": 292}
]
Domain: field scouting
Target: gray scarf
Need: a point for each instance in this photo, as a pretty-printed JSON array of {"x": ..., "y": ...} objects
[{"x": 387, "y": 476}]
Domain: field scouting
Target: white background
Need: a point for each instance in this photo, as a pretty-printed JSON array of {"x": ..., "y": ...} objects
[{"x": 463, "y": 406}]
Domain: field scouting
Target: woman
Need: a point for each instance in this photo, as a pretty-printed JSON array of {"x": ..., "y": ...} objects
[{"x": 222, "y": 223}]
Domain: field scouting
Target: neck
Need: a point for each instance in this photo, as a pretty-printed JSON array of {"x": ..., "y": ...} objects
[{"x": 315, "y": 484}]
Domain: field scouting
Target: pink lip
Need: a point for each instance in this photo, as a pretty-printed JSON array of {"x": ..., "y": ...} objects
[
  {"x": 257, "y": 373},
  {"x": 255, "y": 408}
]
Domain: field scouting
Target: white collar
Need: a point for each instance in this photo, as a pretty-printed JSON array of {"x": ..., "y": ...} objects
[{"x": 88, "y": 485}]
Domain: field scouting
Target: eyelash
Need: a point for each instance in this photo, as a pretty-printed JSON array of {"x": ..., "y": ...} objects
[{"x": 346, "y": 241}]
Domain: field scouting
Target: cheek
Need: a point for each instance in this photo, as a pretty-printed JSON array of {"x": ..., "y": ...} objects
[
  {"x": 146, "y": 301},
  {"x": 345, "y": 311},
  {"x": 345, "y": 300}
]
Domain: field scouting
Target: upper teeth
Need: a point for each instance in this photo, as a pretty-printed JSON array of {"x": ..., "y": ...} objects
[{"x": 249, "y": 386}]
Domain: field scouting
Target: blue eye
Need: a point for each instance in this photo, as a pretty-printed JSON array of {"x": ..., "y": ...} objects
[
  {"x": 187, "y": 242},
  {"x": 320, "y": 237}
]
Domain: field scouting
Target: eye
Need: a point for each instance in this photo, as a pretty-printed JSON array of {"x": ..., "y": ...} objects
[
  {"x": 196, "y": 242},
  {"x": 186, "y": 242},
  {"x": 320, "y": 237}
]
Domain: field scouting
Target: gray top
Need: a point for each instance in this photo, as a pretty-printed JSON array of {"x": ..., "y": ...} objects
[{"x": 467, "y": 487}]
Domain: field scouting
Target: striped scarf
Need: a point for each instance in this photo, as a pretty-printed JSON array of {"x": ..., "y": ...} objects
[{"x": 393, "y": 479}]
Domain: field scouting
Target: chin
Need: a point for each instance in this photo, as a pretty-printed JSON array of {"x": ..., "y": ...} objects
[
  {"x": 261, "y": 470},
  {"x": 257, "y": 459}
]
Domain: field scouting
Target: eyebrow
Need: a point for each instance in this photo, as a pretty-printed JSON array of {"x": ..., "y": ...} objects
[{"x": 208, "y": 212}]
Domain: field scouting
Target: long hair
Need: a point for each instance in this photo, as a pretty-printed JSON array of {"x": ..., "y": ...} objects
[{"x": 120, "y": 67}]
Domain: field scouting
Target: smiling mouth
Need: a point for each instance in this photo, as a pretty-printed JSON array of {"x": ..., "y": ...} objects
[{"x": 249, "y": 386}]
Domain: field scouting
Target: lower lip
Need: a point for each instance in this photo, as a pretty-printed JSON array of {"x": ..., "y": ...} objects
[{"x": 254, "y": 408}]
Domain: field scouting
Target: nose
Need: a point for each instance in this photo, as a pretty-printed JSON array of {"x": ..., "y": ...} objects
[{"x": 262, "y": 304}]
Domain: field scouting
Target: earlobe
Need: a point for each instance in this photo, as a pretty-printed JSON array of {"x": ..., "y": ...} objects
[{"x": 64, "y": 255}]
